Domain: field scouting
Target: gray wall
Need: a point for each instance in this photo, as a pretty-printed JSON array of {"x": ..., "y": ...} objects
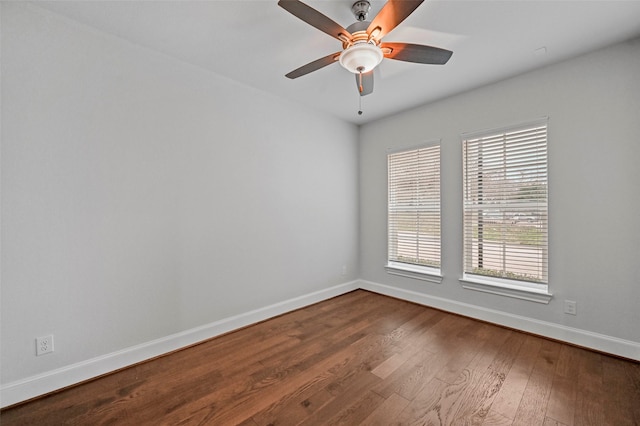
[
  {"x": 593, "y": 105},
  {"x": 142, "y": 196}
]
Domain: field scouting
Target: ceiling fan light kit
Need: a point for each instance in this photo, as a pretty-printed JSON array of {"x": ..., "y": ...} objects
[
  {"x": 362, "y": 47},
  {"x": 361, "y": 57}
]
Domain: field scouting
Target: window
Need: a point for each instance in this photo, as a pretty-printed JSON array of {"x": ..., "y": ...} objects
[
  {"x": 505, "y": 207},
  {"x": 414, "y": 213}
]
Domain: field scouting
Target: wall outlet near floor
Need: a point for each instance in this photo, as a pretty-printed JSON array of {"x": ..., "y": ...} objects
[
  {"x": 344, "y": 270},
  {"x": 44, "y": 345},
  {"x": 570, "y": 307}
]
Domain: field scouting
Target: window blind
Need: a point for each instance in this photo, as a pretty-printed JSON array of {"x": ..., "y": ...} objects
[
  {"x": 505, "y": 204},
  {"x": 414, "y": 207}
]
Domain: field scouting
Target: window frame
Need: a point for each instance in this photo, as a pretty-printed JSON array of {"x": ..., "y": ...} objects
[
  {"x": 518, "y": 288},
  {"x": 407, "y": 269}
]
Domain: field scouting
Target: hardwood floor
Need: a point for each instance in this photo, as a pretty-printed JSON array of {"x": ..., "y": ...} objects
[{"x": 360, "y": 358}]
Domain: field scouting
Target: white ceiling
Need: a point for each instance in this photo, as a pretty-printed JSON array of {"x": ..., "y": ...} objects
[{"x": 257, "y": 43}]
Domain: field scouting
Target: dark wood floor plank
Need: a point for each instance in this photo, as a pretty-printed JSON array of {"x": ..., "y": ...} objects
[
  {"x": 352, "y": 405},
  {"x": 409, "y": 378},
  {"x": 465, "y": 346},
  {"x": 562, "y": 401},
  {"x": 440, "y": 335},
  {"x": 430, "y": 405},
  {"x": 495, "y": 341},
  {"x": 387, "y": 413},
  {"x": 356, "y": 413},
  {"x": 548, "y": 421},
  {"x": 589, "y": 399},
  {"x": 535, "y": 399},
  {"x": 419, "y": 322},
  {"x": 495, "y": 419},
  {"x": 297, "y": 405},
  {"x": 533, "y": 404},
  {"x": 360, "y": 358},
  {"x": 395, "y": 361},
  {"x": 419, "y": 334},
  {"x": 510, "y": 395},
  {"x": 622, "y": 402},
  {"x": 473, "y": 402},
  {"x": 248, "y": 422},
  {"x": 486, "y": 380},
  {"x": 469, "y": 398}
]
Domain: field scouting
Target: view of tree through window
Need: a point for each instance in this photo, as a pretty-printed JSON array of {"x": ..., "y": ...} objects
[{"x": 505, "y": 204}]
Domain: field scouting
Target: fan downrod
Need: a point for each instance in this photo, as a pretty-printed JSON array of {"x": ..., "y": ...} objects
[{"x": 361, "y": 9}]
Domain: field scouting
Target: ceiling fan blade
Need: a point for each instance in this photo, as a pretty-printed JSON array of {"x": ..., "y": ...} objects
[
  {"x": 391, "y": 14},
  {"x": 365, "y": 84},
  {"x": 315, "y": 19},
  {"x": 416, "y": 53},
  {"x": 314, "y": 66}
]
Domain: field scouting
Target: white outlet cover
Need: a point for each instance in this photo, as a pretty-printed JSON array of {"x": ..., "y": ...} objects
[
  {"x": 44, "y": 345},
  {"x": 570, "y": 307}
]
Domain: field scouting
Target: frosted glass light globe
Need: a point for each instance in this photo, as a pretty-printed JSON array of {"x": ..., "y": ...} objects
[{"x": 361, "y": 57}]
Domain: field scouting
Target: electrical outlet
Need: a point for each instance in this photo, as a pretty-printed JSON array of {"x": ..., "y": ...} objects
[
  {"x": 44, "y": 345},
  {"x": 344, "y": 270},
  {"x": 570, "y": 307}
]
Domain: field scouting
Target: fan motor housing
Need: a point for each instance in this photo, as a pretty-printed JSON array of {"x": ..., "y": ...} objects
[{"x": 358, "y": 26}]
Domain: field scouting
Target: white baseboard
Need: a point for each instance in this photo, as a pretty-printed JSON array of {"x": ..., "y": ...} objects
[
  {"x": 31, "y": 387},
  {"x": 599, "y": 342}
]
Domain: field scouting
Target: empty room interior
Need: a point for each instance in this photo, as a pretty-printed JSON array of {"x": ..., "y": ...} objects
[{"x": 456, "y": 242}]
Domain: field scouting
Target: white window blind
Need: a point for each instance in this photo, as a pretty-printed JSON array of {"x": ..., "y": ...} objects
[
  {"x": 505, "y": 204},
  {"x": 414, "y": 207}
]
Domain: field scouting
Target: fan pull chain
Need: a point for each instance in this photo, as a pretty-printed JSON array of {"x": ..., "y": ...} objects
[{"x": 361, "y": 89}]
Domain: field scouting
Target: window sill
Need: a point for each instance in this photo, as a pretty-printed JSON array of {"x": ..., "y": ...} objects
[
  {"x": 505, "y": 288},
  {"x": 423, "y": 273}
]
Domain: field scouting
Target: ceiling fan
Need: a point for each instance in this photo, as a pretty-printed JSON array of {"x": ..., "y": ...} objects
[{"x": 362, "y": 46}]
